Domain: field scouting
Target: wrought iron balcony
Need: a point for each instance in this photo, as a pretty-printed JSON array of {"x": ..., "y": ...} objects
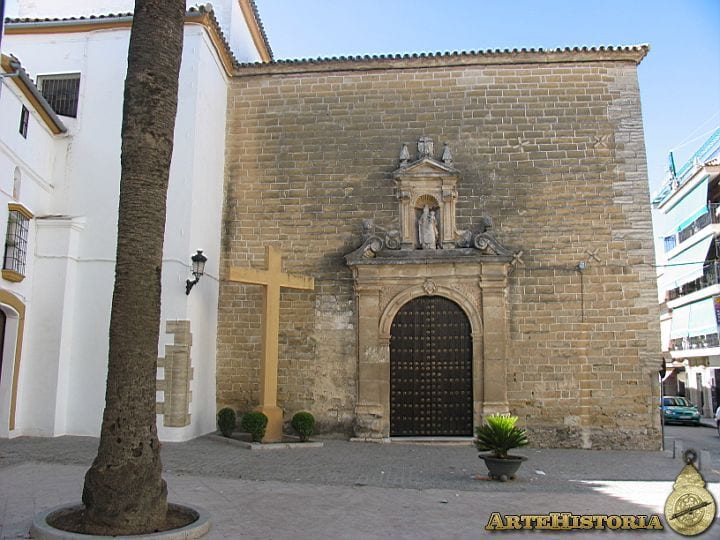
[
  {"x": 711, "y": 216},
  {"x": 711, "y": 276},
  {"x": 708, "y": 341}
]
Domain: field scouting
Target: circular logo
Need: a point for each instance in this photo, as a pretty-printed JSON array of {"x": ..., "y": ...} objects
[{"x": 690, "y": 511}]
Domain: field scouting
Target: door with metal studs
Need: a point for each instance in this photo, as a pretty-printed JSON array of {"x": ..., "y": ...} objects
[{"x": 431, "y": 370}]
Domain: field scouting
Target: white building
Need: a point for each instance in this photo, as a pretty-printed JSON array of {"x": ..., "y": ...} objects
[
  {"x": 688, "y": 209},
  {"x": 61, "y": 182}
]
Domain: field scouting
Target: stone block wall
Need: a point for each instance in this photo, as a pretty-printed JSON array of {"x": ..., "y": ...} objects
[
  {"x": 549, "y": 145},
  {"x": 177, "y": 375}
]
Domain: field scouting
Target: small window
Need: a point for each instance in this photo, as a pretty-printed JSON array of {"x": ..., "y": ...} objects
[
  {"x": 24, "y": 119},
  {"x": 61, "y": 92},
  {"x": 16, "y": 241},
  {"x": 669, "y": 243}
]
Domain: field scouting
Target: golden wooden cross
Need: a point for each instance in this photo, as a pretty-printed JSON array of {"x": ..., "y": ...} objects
[{"x": 272, "y": 279}]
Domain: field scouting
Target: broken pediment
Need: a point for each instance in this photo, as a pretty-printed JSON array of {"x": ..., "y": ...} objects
[{"x": 426, "y": 166}]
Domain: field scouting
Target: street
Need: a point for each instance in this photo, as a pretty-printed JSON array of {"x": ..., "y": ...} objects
[
  {"x": 699, "y": 438},
  {"x": 352, "y": 490}
]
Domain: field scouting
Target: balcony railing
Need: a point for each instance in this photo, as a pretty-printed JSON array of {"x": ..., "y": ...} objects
[
  {"x": 711, "y": 216},
  {"x": 707, "y": 341},
  {"x": 711, "y": 276}
]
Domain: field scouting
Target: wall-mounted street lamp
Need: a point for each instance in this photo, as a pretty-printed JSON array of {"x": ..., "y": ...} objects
[{"x": 198, "y": 268}]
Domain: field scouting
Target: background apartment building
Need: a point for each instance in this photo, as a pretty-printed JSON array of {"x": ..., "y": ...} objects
[{"x": 688, "y": 217}]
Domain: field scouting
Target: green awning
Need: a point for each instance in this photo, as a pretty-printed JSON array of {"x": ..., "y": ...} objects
[
  {"x": 679, "y": 322},
  {"x": 687, "y": 265},
  {"x": 702, "y": 318},
  {"x": 691, "y": 218},
  {"x": 689, "y": 208},
  {"x": 696, "y": 319}
]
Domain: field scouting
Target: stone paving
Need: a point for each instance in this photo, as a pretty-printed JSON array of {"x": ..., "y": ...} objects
[{"x": 353, "y": 490}]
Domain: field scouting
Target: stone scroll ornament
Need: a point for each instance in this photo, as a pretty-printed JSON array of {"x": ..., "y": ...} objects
[
  {"x": 376, "y": 240},
  {"x": 484, "y": 241}
]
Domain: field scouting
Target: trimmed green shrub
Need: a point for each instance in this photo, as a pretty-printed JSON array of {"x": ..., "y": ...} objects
[
  {"x": 226, "y": 421},
  {"x": 254, "y": 423},
  {"x": 499, "y": 434},
  {"x": 304, "y": 424}
]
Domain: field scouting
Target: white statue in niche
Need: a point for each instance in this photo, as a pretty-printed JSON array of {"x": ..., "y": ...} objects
[{"x": 427, "y": 229}]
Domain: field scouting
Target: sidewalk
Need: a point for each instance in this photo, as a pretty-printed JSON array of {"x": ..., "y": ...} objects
[{"x": 354, "y": 490}]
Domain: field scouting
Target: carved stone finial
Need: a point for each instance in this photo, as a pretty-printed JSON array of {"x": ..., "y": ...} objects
[
  {"x": 404, "y": 155},
  {"x": 447, "y": 157},
  {"x": 486, "y": 223},
  {"x": 425, "y": 147},
  {"x": 368, "y": 226}
]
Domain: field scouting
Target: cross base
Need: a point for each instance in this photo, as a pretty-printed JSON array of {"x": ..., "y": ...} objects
[{"x": 273, "y": 432}]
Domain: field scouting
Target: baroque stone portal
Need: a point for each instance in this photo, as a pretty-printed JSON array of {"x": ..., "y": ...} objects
[{"x": 427, "y": 257}]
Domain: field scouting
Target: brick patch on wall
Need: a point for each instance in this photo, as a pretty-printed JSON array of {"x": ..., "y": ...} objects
[{"x": 175, "y": 385}]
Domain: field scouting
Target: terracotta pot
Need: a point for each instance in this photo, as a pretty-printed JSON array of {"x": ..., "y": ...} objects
[{"x": 502, "y": 469}]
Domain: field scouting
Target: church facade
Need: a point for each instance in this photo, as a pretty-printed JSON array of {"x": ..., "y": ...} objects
[
  {"x": 476, "y": 226},
  {"x": 538, "y": 297}
]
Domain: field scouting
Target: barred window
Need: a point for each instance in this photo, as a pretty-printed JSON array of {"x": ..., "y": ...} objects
[
  {"x": 16, "y": 240},
  {"x": 61, "y": 92}
]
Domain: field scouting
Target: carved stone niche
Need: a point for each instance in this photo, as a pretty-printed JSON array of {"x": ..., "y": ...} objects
[
  {"x": 426, "y": 182},
  {"x": 390, "y": 269}
]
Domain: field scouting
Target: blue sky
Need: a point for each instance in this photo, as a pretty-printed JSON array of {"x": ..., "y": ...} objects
[{"x": 679, "y": 79}]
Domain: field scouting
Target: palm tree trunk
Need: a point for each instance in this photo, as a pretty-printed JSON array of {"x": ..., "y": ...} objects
[{"x": 124, "y": 492}]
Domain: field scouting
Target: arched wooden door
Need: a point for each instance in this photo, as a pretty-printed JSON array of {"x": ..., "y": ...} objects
[{"x": 431, "y": 370}]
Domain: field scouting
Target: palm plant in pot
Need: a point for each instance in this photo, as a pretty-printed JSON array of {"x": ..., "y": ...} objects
[{"x": 499, "y": 434}]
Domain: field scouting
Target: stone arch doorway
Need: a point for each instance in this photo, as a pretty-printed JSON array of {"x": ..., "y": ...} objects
[{"x": 431, "y": 375}]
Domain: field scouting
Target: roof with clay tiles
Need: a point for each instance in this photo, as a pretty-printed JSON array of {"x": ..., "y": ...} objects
[
  {"x": 13, "y": 70},
  {"x": 632, "y": 53},
  {"x": 91, "y": 22}
]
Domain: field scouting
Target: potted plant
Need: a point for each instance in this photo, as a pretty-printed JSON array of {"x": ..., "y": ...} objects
[{"x": 499, "y": 434}]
